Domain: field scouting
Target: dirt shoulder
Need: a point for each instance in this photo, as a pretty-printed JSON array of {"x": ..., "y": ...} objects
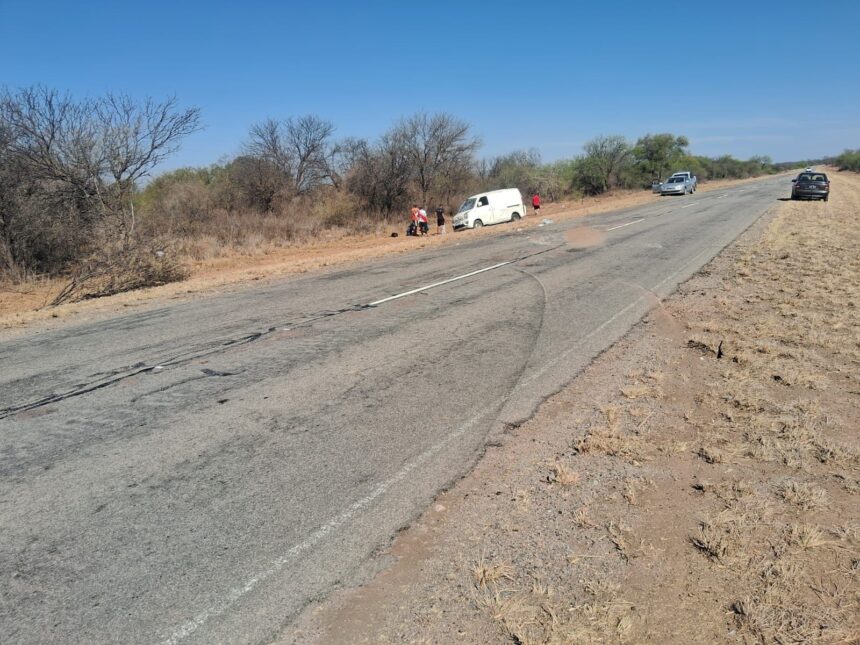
[
  {"x": 699, "y": 482},
  {"x": 20, "y": 306}
]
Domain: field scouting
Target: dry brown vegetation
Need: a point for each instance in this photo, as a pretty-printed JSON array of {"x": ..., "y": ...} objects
[{"x": 716, "y": 499}]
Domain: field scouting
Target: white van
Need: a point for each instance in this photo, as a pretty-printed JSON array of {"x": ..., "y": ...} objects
[{"x": 493, "y": 207}]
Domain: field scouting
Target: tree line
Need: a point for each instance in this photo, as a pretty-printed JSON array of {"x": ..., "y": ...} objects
[{"x": 77, "y": 197}]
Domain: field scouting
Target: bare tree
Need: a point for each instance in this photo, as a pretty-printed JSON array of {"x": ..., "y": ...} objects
[
  {"x": 136, "y": 137},
  {"x": 74, "y": 167},
  {"x": 439, "y": 148},
  {"x": 378, "y": 174},
  {"x": 267, "y": 141},
  {"x": 300, "y": 147}
]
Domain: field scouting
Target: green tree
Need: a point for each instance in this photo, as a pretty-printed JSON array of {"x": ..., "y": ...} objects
[
  {"x": 655, "y": 154},
  {"x": 607, "y": 159}
]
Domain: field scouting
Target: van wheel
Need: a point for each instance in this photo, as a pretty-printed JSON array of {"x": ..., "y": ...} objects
[
  {"x": 515, "y": 217},
  {"x": 478, "y": 224}
]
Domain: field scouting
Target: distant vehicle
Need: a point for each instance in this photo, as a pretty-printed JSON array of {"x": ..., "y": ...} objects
[
  {"x": 677, "y": 185},
  {"x": 493, "y": 207},
  {"x": 811, "y": 185},
  {"x": 688, "y": 175}
]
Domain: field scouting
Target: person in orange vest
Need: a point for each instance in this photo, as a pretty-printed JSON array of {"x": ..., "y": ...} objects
[{"x": 536, "y": 203}]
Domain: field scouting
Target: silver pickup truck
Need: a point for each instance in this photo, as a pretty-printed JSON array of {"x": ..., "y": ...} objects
[{"x": 679, "y": 183}]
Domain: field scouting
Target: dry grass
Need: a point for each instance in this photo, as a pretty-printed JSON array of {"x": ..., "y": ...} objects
[
  {"x": 636, "y": 391},
  {"x": 629, "y": 492},
  {"x": 805, "y": 536},
  {"x": 720, "y": 536},
  {"x": 612, "y": 443},
  {"x": 562, "y": 475},
  {"x": 582, "y": 520},
  {"x": 486, "y": 574},
  {"x": 805, "y": 496},
  {"x": 711, "y": 455},
  {"x": 624, "y": 540}
]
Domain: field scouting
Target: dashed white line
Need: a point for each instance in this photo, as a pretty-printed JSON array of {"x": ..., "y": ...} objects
[
  {"x": 468, "y": 275},
  {"x": 688, "y": 205},
  {"x": 439, "y": 284},
  {"x": 636, "y": 221}
]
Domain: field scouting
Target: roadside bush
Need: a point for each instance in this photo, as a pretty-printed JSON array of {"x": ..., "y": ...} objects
[
  {"x": 115, "y": 268},
  {"x": 848, "y": 160}
]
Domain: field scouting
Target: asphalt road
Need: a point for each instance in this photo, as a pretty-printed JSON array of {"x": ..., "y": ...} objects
[{"x": 197, "y": 473}]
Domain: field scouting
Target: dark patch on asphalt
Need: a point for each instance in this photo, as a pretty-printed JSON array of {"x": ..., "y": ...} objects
[
  {"x": 209, "y": 372},
  {"x": 117, "y": 376}
]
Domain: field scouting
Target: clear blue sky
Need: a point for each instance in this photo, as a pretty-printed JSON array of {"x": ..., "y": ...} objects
[{"x": 780, "y": 78}]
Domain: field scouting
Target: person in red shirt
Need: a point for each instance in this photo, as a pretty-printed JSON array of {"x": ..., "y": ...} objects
[
  {"x": 536, "y": 203},
  {"x": 413, "y": 227}
]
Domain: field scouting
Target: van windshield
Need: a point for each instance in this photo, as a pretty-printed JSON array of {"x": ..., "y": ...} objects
[
  {"x": 676, "y": 180},
  {"x": 468, "y": 205}
]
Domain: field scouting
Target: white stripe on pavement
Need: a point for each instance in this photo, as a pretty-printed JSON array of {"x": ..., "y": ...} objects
[
  {"x": 636, "y": 221},
  {"x": 439, "y": 284}
]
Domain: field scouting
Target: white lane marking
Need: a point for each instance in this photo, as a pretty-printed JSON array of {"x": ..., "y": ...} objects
[
  {"x": 329, "y": 527},
  {"x": 636, "y": 221},
  {"x": 688, "y": 205},
  {"x": 439, "y": 284}
]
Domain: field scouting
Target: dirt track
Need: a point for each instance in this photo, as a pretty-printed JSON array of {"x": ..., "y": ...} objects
[{"x": 698, "y": 483}]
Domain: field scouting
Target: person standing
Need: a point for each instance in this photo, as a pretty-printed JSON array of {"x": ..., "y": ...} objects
[
  {"x": 536, "y": 202},
  {"x": 413, "y": 226},
  {"x": 440, "y": 220},
  {"x": 422, "y": 221}
]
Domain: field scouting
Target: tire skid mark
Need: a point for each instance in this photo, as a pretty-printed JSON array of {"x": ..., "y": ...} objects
[{"x": 220, "y": 346}]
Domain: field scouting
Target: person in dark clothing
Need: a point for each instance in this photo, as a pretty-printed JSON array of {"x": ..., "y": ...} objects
[{"x": 440, "y": 220}]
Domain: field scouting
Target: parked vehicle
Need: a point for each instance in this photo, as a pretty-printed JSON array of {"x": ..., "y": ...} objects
[
  {"x": 656, "y": 185},
  {"x": 811, "y": 185},
  {"x": 494, "y": 207},
  {"x": 694, "y": 182},
  {"x": 676, "y": 185}
]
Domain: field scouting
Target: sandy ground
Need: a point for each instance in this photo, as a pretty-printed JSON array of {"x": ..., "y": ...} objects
[
  {"x": 698, "y": 483},
  {"x": 22, "y": 305}
]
